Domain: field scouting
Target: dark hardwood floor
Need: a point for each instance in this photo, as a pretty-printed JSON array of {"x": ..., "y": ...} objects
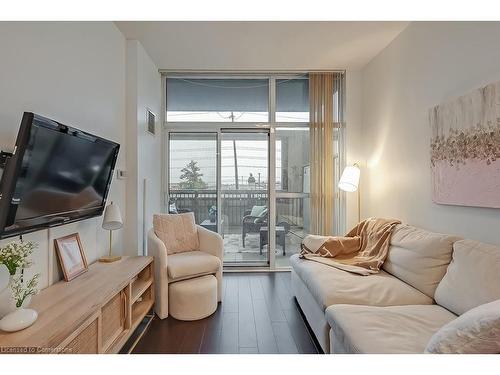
[{"x": 258, "y": 315}]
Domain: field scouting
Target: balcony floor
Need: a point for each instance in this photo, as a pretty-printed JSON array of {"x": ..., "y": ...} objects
[{"x": 234, "y": 252}]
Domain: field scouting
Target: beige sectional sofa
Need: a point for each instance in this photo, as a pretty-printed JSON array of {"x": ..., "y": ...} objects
[{"x": 427, "y": 281}]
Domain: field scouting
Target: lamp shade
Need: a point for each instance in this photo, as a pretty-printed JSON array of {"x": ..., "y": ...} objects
[
  {"x": 349, "y": 180},
  {"x": 112, "y": 219}
]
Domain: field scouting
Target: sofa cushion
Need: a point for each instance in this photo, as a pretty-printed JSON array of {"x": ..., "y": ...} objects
[
  {"x": 177, "y": 231},
  {"x": 330, "y": 285},
  {"x": 472, "y": 278},
  {"x": 475, "y": 332},
  {"x": 419, "y": 257},
  {"x": 393, "y": 329},
  {"x": 190, "y": 264}
]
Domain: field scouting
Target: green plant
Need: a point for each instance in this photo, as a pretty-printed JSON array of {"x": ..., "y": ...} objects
[
  {"x": 191, "y": 176},
  {"x": 21, "y": 292},
  {"x": 16, "y": 255}
]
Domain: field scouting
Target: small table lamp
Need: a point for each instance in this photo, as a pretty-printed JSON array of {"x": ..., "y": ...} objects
[
  {"x": 349, "y": 181},
  {"x": 111, "y": 221}
]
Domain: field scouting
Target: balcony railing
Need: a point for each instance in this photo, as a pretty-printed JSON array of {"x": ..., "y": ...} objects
[{"x": 235, "y": 203}]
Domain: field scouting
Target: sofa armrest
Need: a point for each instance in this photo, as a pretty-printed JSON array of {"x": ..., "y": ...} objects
[
  {"x": 210, "y": 242},
  {"x": 157, "y": 249}
]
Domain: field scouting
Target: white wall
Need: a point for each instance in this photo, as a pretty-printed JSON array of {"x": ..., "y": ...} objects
[
  {"x": 143, "y": 149},
  {"x": 425, "y": 65},
  {"x": 74, "y": 73}
]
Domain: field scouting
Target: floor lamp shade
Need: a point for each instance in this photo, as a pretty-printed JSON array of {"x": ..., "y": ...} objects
[
  {"x": 112, "y": 219},
  {"x": 349, "y": 181}
]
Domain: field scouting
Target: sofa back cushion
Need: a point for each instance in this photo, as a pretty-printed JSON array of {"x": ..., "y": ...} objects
[
  {"x": 419, "y": 257},
  {"x": 177, "y": 231},
  {"x": 472, "y": 278}
]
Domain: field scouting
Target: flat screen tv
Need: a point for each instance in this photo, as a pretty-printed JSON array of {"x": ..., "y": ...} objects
[{"x": 57, "y": 174}]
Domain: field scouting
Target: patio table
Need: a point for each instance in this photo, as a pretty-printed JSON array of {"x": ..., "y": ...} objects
[
  {"x": 280, "y": 238},
  {"x": 212, "y": 225}
]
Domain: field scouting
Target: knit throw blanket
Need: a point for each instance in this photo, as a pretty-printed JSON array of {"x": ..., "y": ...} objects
[{"x": 363, "y": 250}]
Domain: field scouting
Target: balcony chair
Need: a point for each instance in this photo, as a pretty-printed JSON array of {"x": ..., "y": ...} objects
[
  {"x": 172, "y": 208},
  {"x": 253, "y": 220},
  {"x": 188, "y": 267}
]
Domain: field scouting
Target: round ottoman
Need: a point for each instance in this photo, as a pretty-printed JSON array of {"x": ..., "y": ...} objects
[{"x": 193, "y": 299}]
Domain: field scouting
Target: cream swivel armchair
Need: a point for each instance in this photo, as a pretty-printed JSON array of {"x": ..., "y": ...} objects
[{"x": 188, "y": 283}]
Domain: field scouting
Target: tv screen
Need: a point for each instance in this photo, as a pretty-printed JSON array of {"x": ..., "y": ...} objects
[{"x": 58, "y": 174}]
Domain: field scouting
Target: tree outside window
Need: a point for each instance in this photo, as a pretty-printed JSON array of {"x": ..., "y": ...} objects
[{"x": 191, "y": 178}]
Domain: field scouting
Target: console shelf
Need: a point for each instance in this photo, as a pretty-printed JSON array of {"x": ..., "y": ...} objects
[{"x": 95, "y": 313}]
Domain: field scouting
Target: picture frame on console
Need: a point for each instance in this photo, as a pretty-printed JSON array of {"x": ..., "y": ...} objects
[{"x": 71, "y": 256}]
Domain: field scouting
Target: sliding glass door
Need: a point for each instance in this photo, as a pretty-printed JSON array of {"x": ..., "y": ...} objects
[
  {"x": 242, "y": 183},
  {"x": 245, "y": 196}
]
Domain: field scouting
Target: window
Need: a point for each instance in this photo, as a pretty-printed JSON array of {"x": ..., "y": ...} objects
[
  {"x": 292, "y": 158},
  {"x": 239, "y": 157},
  {"x": 192, "y": 175},
  {"x": 217, "y": 100},
  {"x": 193, "y": 161},
  {"x": 292, "y": 191}
]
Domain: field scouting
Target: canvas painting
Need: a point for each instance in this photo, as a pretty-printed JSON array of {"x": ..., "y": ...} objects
[{"x": 465, "y": 149}]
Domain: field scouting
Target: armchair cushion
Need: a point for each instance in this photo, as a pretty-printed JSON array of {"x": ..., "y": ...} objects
[
  {"x": 191, "y": 264},
  {"x": 178, "y": 232}
]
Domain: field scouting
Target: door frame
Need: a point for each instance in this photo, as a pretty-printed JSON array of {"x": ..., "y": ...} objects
[
  {"x": 270, "y": 126},
  {"x": 271, "y": 163},
  {"x": 270, "y": 187}
]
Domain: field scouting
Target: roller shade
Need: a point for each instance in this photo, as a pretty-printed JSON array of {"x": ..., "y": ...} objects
[
  {"x": 292, "y": 95},
  {"x": 238, "y": 95}
]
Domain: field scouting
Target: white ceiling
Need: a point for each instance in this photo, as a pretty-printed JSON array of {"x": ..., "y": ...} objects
[{"x": 262, "y": 45}]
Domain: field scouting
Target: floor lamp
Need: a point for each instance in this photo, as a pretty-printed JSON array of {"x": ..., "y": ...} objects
[{"x": 349, "y": 181}]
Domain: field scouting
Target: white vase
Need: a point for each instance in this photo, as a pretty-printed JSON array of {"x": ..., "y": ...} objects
[
  {"x": 4, "y": 277},
  {"x": 7, "y": 302},
  {"x": 20, "y": 319}
]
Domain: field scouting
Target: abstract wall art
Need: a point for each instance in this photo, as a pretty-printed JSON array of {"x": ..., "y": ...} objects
[{"x": 465, "y": 149}]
